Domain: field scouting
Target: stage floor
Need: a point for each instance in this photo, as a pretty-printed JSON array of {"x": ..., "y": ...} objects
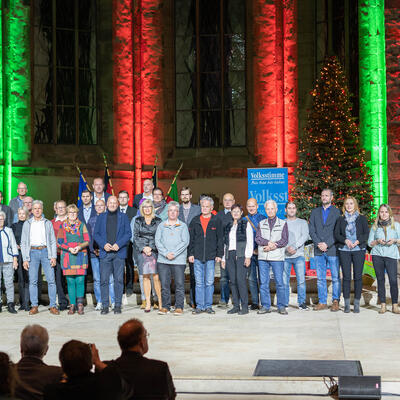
[{"x": 224, "y": 346}]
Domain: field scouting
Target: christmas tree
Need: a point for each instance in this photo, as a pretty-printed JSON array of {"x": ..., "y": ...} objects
[{"x": 330, "y": 154}]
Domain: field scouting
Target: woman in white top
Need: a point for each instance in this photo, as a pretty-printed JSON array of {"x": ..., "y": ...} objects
[
  {"x": 8, "y": 261},
  {"x": 239, "y": 243}
]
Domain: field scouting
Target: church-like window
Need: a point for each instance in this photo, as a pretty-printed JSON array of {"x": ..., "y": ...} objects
[
  {"x": 210, "y": 63},
  {"x": 64, "y": 84}
]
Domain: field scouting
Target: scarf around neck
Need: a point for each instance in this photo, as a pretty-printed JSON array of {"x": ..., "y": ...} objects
[
  {"x": 351, "y": 222},
  {"x": 72, "y": 228}
]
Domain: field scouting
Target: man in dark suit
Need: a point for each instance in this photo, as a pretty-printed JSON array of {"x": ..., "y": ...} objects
[
  {"x": 33, "y": 373},
  {"x": 148, "y": 187},
  {"x": 225, "y": 217},
  {"x": 187, "y": 211},
  {"x": 87, "y": 208},
  {"x": 150, "y": 379},
  {"x": 7, "y": 210},
  {"x": 125, "y": 208},
  {"x": 321, "y": 226},
  {"x": 112, "y": 233},
  {"x": 98, "y": 190}
]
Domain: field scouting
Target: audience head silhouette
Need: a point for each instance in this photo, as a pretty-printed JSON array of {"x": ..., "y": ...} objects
[
  {"x": 34, "y": 341},
  {"x": 132, "y": 336},
  {"x": 75, "y": 358},
  {"x": 7, "y": 375}
]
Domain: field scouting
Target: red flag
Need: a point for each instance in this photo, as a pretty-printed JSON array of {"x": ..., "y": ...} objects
[{"x": 107, "y": 181}]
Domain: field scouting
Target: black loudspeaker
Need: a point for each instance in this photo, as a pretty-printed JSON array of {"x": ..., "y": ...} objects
[{"x": 359, "y": 387}]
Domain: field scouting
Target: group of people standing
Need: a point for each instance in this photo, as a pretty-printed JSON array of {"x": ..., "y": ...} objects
[{"x": 161, "y": 239}]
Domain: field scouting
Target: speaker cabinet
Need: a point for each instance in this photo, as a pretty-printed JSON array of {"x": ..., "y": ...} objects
[{"x": 359, "y": 387}]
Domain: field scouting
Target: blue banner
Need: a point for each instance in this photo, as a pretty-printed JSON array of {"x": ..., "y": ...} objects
[{"x": 269, "y": 184}]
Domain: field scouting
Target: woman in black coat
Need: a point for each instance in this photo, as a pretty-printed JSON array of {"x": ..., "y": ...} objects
[
  {"x": 351, "y": 234},
  {"x": 144, "y": 240}
]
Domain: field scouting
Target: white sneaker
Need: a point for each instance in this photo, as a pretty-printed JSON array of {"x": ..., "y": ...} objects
[
  {"x": 98, "y": 307},
  {"x": 112, "y": 306}
]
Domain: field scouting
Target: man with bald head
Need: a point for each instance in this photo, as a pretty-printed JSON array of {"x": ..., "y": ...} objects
[
  {"x": 254, "y": 218},
  {"x": 150, "y": 379},
  {"x": 112, "y": 233},
  {"x": 148, "y": 187},
  {"x": 17, "y": 202}
]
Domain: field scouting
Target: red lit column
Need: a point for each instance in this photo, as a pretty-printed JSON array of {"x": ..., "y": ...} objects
[
  {"x": 148, "y": 52},
  {"x": 264, "y": 82},
  {"x": 275, "y": 82},
  {"x": 290, "y": 90},
  {"x": 123, "y": 87}
]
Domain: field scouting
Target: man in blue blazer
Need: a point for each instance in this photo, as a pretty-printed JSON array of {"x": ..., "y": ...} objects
[
  {"x": 321, "y": 226},
  {"x": 112, "y": 233},
  {"x": 86, "y": 209}
]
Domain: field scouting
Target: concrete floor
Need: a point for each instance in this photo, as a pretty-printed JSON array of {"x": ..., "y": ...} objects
[{"x": 226, "y": 347}]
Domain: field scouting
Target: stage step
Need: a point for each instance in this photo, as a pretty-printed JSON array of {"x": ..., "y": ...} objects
[{"x": 261, "y": 387}]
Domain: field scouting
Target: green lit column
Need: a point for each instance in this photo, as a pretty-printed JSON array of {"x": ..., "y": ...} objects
[
  {"x": 373, "y": 127},
  {"x": 16, "y": 88}
]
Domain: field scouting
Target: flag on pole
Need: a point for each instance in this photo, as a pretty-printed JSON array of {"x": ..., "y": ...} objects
[
  {"x": 154, "y": 175},
  {"x": 107, "y": 178},
  {"x": 82, "y": 186},
  {"x": 172, "y": 194}
]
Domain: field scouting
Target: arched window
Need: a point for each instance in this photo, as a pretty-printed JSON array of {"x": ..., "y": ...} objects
[{"x": 210, "y": 61}]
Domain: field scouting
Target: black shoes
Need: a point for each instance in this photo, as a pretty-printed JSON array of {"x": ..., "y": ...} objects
[
  {"x": 304, "y": 307},
  {"x": 264, "y": 310},
  {"x": 254, "y": 307},
  {"x": 11, "y": 308},
  {"x": 117, "y": 310},
  {"x": 104, "y": 311},
  {"x": 243, "y": 311},
  {"x": 233, "y": 310},
  {"x": 210, "y": 311}
]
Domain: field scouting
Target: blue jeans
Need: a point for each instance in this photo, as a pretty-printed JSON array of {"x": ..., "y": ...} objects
[
  {"x": 323, "y": 262},
  {"x": 299, "y": 265},
  {"x": 204, "y": 276},
  {"x": 277, "y": 269},
  {"x": 252, "y": 275},
  {"x": 38, "y": 257},
  {"x": 224, "y": 285},
  {"x": 95, "y": 262},
  {"x": 111, "y": 264}
]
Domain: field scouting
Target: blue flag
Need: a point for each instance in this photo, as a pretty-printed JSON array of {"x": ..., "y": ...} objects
[{"x": 82, "y": 186}]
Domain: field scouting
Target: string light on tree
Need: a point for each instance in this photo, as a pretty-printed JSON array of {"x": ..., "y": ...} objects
[{"x": 330, "y": 153}]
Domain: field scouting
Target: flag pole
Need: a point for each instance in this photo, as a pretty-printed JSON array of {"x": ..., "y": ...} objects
[
  {"x": 80, "y": 174},
  {"x": 109, "y": 177},
  {"x": 174, "y": 180}
]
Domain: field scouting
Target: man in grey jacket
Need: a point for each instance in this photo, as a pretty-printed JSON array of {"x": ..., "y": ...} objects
[
  {"x": 322, "y": 225},
  {"x": 172, "y": 240},
  {"x": 17, "y": 202},
  {"x": 38, "y": 246},
  {"x": 294, "y": 255}
]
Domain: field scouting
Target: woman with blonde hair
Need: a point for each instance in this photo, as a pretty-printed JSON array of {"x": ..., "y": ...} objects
[
  {"x": 351, "y": 233},
  {"x": 384, "y": 238},
  {"x": 144, "y": 233},
  {"x": 73, "y": 239}
]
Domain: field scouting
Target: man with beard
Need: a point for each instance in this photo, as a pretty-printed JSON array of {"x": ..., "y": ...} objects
[{"x": 187, "y": 211}]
